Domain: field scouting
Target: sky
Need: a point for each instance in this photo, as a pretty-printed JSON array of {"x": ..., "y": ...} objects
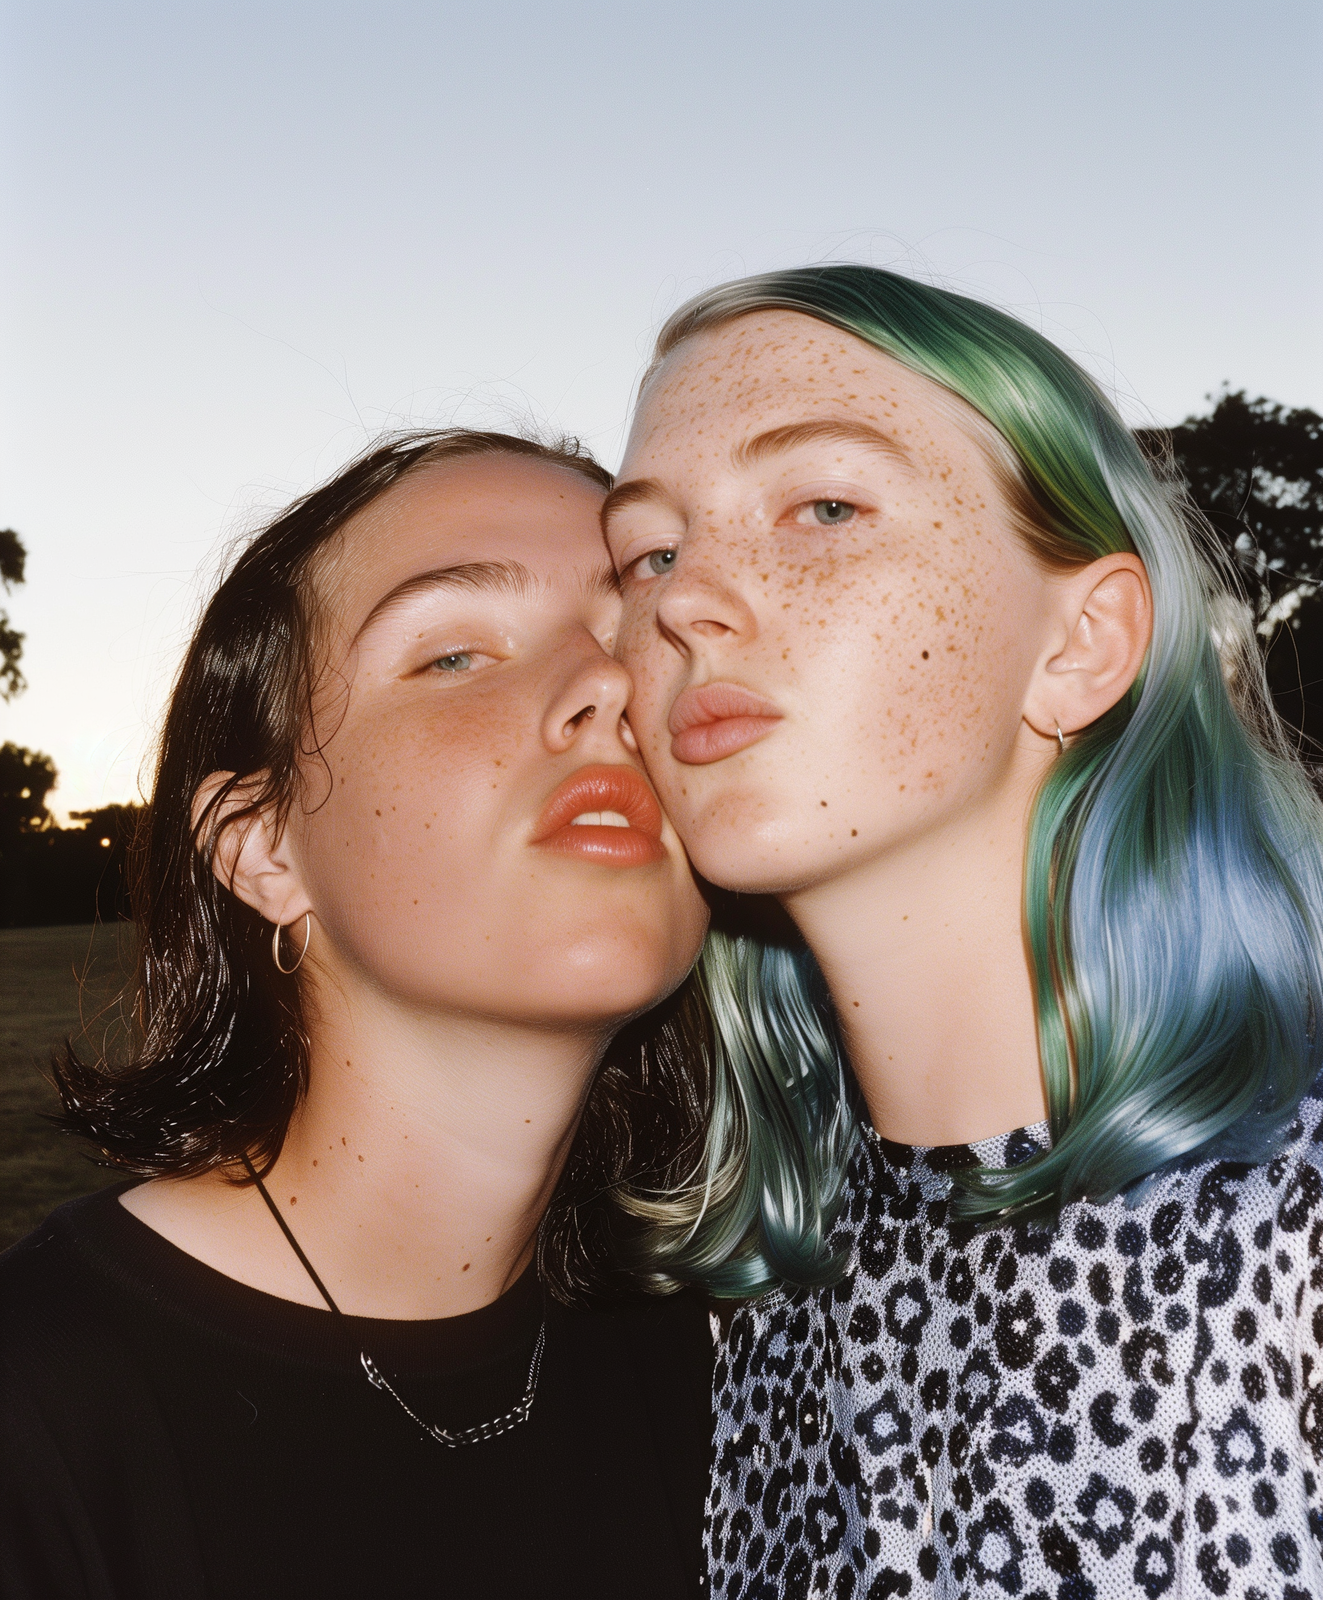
[{"x": 244, "y": 238}]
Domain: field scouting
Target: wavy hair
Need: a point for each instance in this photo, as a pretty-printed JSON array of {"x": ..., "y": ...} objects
[{"x": 1173, "y": 875}]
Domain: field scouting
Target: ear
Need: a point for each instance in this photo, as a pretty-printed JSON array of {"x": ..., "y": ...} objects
[
  {"x": 1101, "y": 632},
  {"x": 251, "y": 854}
]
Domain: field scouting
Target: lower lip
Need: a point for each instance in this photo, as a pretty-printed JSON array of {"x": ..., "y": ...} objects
[
  {"x": 714, "y": 741},
  {"x": 609, "y": 847}
]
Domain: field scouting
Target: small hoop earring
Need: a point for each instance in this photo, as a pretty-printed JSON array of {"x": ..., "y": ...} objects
[
  {"x": 1061, "y": 743},
  {"x": 275, "y": 944}
]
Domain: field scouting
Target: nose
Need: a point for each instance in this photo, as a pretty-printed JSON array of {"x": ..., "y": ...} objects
[
  {"x": 702, "y": 599},
  {"x": 589, "y": 706}
]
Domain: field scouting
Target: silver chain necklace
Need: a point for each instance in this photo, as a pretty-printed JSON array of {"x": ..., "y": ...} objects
[{"x": 452, "y": 1438}]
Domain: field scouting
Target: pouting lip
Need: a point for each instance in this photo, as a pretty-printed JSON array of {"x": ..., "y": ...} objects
[
  {"x": 601, "y": 788},
  {"x": 717, "y": 719}
]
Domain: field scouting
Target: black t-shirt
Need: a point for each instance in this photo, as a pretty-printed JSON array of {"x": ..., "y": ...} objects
[{"x": 166, "y": 1431}]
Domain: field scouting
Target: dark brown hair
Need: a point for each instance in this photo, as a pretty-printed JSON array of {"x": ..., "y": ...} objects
[{"x": 219, "y": 1053}]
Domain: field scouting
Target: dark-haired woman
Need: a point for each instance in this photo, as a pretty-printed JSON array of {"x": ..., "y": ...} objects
[{"x": 403, "y": 883}]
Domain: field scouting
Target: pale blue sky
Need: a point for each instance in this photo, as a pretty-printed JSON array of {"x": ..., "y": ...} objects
[{"x": 242, "y": 237}]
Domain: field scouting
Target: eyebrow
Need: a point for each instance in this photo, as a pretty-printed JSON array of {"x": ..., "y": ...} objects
[
  {"x": 491, "y": 577},
  {"x": 827, "y": 430},
  {"x": 630, "y": 494},
  {"x": 776, "y": 441}
]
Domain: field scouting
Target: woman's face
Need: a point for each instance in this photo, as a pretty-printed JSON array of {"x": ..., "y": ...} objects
[
  {"x": 476, "y": 834},
  {"x": 830, "y": 621}
]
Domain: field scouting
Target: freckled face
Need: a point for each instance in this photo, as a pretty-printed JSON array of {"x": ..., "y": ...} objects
[
  {"x": 829, "y": 619},
  {"x": 470, "y": 612}
]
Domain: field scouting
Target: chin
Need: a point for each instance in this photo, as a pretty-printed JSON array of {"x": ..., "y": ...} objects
[
  {"x": 731, "y": 862},
  {"x": 622, "y": 965},
  {"x": 760, "y": 879},
  {"x": 580, "y": 1004},
  {"x": 756, "y": 854}
]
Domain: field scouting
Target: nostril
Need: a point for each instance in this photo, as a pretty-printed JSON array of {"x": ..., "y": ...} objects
[{"x": 579, "y": 717}]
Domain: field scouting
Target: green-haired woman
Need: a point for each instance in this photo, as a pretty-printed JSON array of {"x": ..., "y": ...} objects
[{"x": 926, "y": 649}]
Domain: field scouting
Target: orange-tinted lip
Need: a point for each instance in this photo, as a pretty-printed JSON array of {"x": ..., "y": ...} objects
[
  {"x": 714, "y": 721},
  {"x": 603, "y": 788}
]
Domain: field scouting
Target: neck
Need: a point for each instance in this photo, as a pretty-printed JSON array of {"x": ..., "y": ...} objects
[
  {"x": 415, "y": 1172},
  {"x": 425, "y": 1154},
  {"x": 923, "y": 949}
]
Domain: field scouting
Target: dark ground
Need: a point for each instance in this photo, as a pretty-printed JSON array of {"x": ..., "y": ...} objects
[{"x": 53, "y": 982}]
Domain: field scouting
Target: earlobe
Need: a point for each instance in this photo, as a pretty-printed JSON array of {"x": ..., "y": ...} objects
[
  {"x": 1105, "y": 613},
  {"x": 247, "y": 847}
]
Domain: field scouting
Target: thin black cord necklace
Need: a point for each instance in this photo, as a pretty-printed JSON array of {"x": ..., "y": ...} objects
[{"x": 452, "y": 1438}]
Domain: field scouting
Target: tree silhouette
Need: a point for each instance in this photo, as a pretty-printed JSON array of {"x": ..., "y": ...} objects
[
  {"x": 26, "y": 778},
  {"x": 50, "y": 874},
  {"x": 13, "y": 558},
  {"x": 1255, "y": 470},
  {"x": 54, "y": 875}
]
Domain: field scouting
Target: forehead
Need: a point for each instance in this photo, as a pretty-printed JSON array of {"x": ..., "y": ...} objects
[
  {"x": 772, "y": 366},
  {"x": 475, "y": 509}
]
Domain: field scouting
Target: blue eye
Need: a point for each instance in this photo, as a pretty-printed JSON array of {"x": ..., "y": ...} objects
[
  {"x": 833, "y": 512},
  {"x": 455, "y": 663},
  {"x": 661, "y": 561}
]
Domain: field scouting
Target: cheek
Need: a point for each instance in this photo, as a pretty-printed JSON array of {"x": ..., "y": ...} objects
[
  {"x": 421, "y": 878},
  {"x": 637, "y": 625},
  {"x": 915, "y": 660},
  {"x": 409, "y": 868},
  {"x": 412, "y": 804},
  {"x": 637, "y": 638},
  {"x": 643, "y": 654}
]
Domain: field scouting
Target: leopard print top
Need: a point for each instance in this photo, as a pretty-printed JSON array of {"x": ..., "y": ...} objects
[{"x": 1129, "y": 1404}]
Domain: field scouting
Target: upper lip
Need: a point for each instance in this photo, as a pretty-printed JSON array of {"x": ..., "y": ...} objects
[
  {"x": 601, "y": 788},
  {"x": 717, "y": 702}
]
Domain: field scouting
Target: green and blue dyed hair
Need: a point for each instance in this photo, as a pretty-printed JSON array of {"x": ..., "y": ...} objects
[{"x": 1173, "y": 886}]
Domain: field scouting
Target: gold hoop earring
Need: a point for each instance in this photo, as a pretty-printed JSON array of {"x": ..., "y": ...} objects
[
  {"x": 1061, "y": 739},
  {"x": 275, "y": 944}
]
